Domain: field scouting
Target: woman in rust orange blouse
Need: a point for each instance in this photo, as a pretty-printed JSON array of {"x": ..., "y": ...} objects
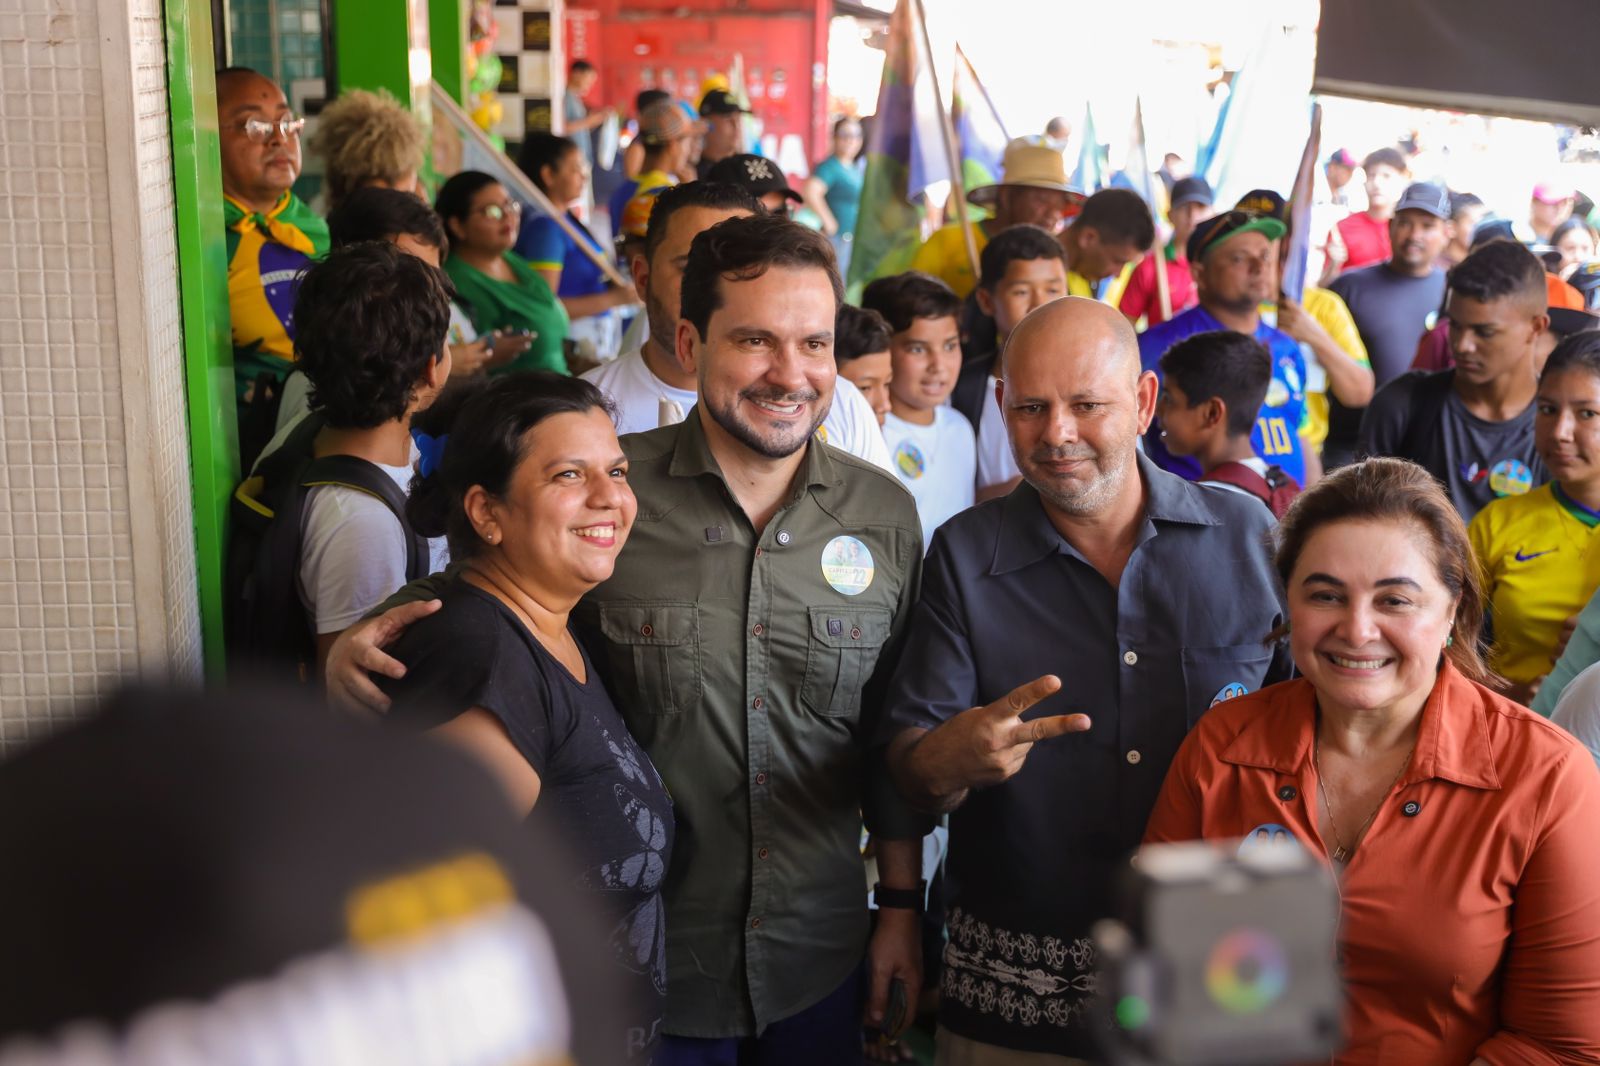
[{"x": 1462, "y": 827}]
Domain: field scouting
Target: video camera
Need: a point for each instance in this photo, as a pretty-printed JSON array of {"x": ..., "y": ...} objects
[{"x": 1224, "y": 955}]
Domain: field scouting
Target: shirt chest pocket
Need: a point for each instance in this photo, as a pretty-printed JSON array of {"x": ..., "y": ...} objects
[
  {"x": 841, "y": 650},
  {"x": 655, "y": 654},
  {"x": 1213, "y": 675}
]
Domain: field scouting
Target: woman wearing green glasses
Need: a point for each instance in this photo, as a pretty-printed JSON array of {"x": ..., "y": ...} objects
[{"x": 500, "y": 291}]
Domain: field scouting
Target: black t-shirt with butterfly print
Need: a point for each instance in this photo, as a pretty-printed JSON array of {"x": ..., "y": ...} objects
[{"x": 596, "y": 785}]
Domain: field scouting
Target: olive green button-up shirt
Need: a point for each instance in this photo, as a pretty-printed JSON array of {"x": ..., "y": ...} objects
[{"x": 751, "y": 666}]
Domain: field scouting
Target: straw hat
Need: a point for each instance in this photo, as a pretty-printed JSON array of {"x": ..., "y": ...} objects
[{"x": 1035, "y": 166}]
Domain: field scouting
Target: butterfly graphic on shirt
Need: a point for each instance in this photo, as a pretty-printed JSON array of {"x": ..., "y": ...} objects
[{"x": 639, "y": 939}]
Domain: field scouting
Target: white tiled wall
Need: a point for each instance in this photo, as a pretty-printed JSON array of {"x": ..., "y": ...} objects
[{"x": 97, "y": 576}]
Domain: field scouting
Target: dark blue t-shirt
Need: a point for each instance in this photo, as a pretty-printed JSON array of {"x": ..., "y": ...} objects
[{"x": 597, "y": 786}]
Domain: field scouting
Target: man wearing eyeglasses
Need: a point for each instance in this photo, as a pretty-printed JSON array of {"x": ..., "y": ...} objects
[{"x": 272, "y": 236}]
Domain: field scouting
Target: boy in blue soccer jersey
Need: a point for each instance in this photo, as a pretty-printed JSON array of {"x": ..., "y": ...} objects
[{"x": 1235, "y": 271}]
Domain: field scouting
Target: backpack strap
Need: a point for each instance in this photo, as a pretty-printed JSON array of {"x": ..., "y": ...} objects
[
  {"x": 1428, "y": 395},
  {"x": 1241, "y": 476},
  {"x": 346, "y": 471}
]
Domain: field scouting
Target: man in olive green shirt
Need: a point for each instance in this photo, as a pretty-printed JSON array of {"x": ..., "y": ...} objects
[{"x": 748, "y": 632}]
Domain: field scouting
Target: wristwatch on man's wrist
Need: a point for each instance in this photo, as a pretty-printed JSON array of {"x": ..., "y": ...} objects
[{"x": 901, "y": 899}]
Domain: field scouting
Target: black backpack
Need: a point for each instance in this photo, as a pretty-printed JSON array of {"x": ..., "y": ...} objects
[{"x": 266, "y": 629}]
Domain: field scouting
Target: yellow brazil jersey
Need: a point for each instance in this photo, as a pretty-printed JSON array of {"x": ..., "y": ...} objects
[
  {"x": 1334, "y": 317},
  {"x": 1534, "y": 551},
  {"x": 944, "y": 255}
]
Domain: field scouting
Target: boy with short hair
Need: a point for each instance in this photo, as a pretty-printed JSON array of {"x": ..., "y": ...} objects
[
  {"x": 1212, "y": 385},
  {"x": 1022, "y": 268},
  {"x": 373, "y": 321},
  {"x": 933, "y": 448},
  {"x": 861, "y": 340}
]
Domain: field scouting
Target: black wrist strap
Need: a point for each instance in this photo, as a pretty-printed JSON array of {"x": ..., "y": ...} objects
[{"x": 902, "y": 899}]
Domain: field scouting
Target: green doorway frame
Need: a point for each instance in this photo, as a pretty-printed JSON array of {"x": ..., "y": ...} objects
[{"x": 203, "y": 291}]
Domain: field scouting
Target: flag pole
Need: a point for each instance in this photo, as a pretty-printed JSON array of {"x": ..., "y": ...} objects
[
  {"x": 1163, "y": 286},
  {"x": 947, "y": 133}
]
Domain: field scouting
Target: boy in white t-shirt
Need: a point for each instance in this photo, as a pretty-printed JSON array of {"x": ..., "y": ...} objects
[
  {"x": 371, "y": 329},
  {"x": 1022, "y": 268},
  {"x": 931, "y": 444}
]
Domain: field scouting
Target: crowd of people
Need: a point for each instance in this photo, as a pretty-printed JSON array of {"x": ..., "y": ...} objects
[{"x": 1109, "y": 541}]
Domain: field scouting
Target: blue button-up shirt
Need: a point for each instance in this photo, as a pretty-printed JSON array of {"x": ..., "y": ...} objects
[{"x": 1005, "y": 600}]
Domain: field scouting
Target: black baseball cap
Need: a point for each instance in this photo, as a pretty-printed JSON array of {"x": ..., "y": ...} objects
[
  {"x": 1218, "y": 228},
  {"x": 1265, "y": 202},
  {"x": 1191, "y": 190},
  {"x": 183, "y": 847},
  {"x": 1427, "y": 197},
  {"x": 1586, "y": 279},
  {"x": 757, "y": 173},
  {"x": 720, "y": 102}
]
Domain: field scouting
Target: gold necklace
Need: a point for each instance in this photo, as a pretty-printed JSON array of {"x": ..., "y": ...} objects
[{"x": 1341, "y": 854}]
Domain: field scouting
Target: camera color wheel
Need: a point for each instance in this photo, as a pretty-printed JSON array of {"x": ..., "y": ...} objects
[{"x": 1247, "y": 971}]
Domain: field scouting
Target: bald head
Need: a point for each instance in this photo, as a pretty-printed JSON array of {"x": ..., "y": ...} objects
[
  {"x": 256, "y": 170},
  {"x": 1075, "y": 402},
  {"x": 1072, "y": 331}
]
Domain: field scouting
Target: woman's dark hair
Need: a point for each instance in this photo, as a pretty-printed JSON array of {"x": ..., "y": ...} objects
[
  {"x": 903, "y": 298},
  {"x": 1222, "y": 365},
  {"x": 859, "y": 332},
  {"x": 377, "y": 214},
  {"x": 1569, "y": 226},
  {"x": 1401, "y": 492},
  {"x": 542, "y": 150},
  {"x": 1015, "y": 244},
  {"x": 1576, "y": 351},
  {"x": 743, "y": 249},
  {"x": 487, "y": 441},
  {"x": 454, "y": 202},
  {"x": 367, "y": 320}
]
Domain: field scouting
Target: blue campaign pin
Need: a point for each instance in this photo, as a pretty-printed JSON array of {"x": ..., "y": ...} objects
[
  {"x": 1267, "y": 835},
  {"x": 1231, "y": 691},
  {"x": 835, "y": 627},
  {"x": 909, "y": 461},
  {"x": 713, "y": 534},
  {"x": 1510, "y": 477}
]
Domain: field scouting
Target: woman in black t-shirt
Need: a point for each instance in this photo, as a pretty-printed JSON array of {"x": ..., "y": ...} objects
[{"x": 531, "y": 488}]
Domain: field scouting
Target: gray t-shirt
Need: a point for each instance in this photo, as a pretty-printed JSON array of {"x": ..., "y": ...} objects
[
  {"x": 1419, "y": 416},
  {"x": 1391, "y": 312}
]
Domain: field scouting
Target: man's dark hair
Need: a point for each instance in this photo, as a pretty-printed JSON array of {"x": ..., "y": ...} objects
[
  {"x": 1120, "y": 216},
  {"x": 1577, "y": 351},
  {"x": 1385, "y": 157},
  {"x": 1498, "y": 269},
  {"x": 367, "y": 320},
  {"x": 712, "y": 194},
  {"x": 743, "y": 249},
  {"x": 1460, "y": 201},
  {"x": 859, "y": 332},
  {"x": 1015, "y": 243},
  {"x": 646, "y": 97},
  {"x": 1222, "y": 365},
  {"x": 455, "y": 196},
  {"x": 580, "y": 66},
  {"x": 487, "y": 425},
  {"x": 377, "y": 214},
  {"x": 542, "y": 150},
  {"x": 903, "y": 298}
]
